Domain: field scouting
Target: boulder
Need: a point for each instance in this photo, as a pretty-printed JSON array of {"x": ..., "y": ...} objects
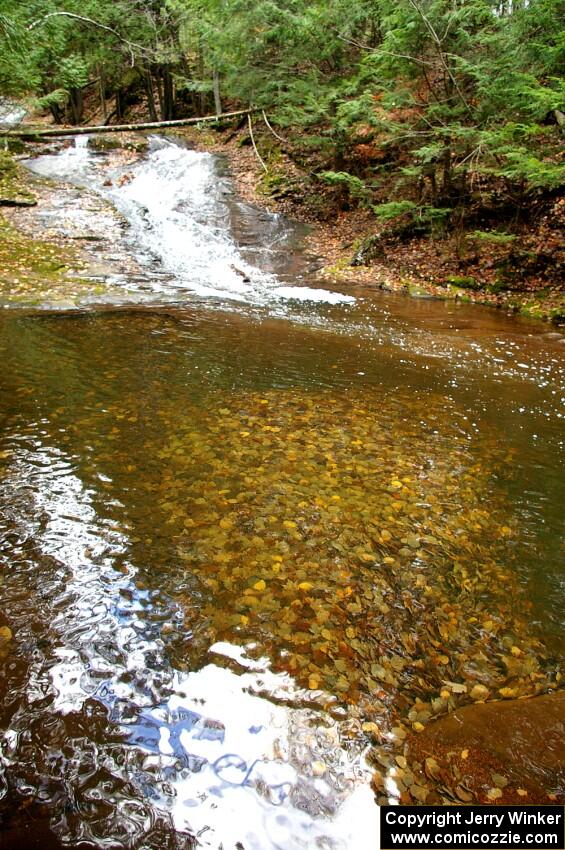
[{"x": 526, "y": 737}]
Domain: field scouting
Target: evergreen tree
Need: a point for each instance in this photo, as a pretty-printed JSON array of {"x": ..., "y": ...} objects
[{"x": 447, "y": 94}]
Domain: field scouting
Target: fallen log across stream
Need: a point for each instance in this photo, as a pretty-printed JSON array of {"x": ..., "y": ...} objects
[{"x": 36, "y": 133}]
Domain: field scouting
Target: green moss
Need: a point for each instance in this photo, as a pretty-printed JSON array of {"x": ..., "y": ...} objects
[
  {"x": 14, "y": 145},
  {"x": 498, "y": 286},
  {"x": 271, "y": 182},
  {"x": 36, "y": 270},
  {"x": 13, "y": 191},
  {"x": 105, "y": 143},
  {"x": 548, "y": 305},
  {"x": 275, "y": 183},
  {"x": 114, "y": 141},
  {"x": 371, "y": 248},
  {"x": 462, "y": 282},
  {"x": 417, "y": 291},
  {"x": 338, "y": 267}
]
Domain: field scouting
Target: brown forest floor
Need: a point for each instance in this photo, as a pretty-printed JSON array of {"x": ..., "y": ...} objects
[{"x": 527, "y": 277}]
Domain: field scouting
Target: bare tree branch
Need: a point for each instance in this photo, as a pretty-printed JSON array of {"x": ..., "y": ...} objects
[
  {"x": 439, "y": 47},
  {"x": 276, "y": 135},
  {"x": 253, "y": 142},
  {"x": 132, "y": 46}
]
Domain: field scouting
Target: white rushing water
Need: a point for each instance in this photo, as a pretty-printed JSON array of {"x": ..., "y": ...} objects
[
  {"x": 11, "y": 112},
  {"x": 175, "y": 201}
]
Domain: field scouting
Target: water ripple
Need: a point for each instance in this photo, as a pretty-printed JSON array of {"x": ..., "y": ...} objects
[{"x": 115, "y": 741}]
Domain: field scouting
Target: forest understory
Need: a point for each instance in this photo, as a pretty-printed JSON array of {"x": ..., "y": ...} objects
[
  {"x": 505, "y": 255},
  {"x": 517, "y": 262},
  {"x": 422, "y": 139}
]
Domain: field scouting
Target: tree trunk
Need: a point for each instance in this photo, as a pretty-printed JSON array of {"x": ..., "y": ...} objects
[
  {"x": 217, "y": 101},
  {"x": 201, "y": 72},
  {"x": 102, "y": 92},
  {"x": 75, "y": 105},
  {"x": 31, "y": 133},
  {"x": 120, "y": 105},
  {"x": 428, "y": 173},
  {"x": 57, "y": 113},
  {"x": 150, "y": 96},
  {"x": 447, "y": 170},
  {"x": 168, "y": 113}
]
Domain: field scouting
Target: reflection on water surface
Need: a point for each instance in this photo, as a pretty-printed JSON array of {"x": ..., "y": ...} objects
[{"x": 237, "y": 551}]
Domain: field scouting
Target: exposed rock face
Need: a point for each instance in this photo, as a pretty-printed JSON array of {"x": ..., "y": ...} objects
[{"x": 525, "y": 737}]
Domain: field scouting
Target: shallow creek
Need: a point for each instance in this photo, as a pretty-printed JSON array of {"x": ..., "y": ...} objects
[{"x": 251, "y": 527}]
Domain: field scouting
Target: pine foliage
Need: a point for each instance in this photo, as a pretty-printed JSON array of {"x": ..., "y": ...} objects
[{"x": 419, "y": 102}]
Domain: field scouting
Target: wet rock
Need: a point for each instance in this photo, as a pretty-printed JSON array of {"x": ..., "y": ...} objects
[
  {"x": 22, "y": 201},
  {"x": 526, "y": 736},
  {"x": 416, "y": 291},
  {"x": 241, "y": 273},
  {"x": 370, "y": 249},
  {"x": 112, "y": 142}
]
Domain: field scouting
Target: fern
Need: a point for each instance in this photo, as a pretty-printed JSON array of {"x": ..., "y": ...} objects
[
  {"x": 58, "y": 97},
  {"x": 393, "y": 209},
  {"x": 357, "y": 189}
]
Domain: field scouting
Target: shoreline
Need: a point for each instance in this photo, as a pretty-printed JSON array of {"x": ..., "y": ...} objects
[
  {"x": 337, "y": 241},
  {"x": 422, "y": 770}
]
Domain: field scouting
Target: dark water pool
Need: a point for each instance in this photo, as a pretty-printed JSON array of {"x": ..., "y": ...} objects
[{"x": 235, "y": 547}]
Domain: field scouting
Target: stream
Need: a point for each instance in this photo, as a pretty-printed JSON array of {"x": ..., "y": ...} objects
[{"x": 252, "y": 526}]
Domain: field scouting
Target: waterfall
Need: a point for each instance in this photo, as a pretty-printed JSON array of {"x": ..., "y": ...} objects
[{"x": 180, "y": 212}]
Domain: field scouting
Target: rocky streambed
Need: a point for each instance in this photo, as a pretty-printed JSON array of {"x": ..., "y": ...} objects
[{"x": 270, "y": 550}]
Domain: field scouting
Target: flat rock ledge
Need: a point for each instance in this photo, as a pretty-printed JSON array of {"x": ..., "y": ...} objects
[{"x": 505, "y": 752}]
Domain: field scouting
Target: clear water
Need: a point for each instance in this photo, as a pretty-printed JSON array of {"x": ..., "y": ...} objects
[{"x": 223, "y": 521}]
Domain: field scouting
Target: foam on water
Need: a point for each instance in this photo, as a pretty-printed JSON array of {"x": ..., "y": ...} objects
[
  {"x": 11, "y": 113},
  {"x": 305, "y": 293},
  {"x": 174, "y": 201}
]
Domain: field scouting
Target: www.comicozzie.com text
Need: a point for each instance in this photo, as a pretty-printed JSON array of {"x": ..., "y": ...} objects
[{"x": 416, "y": 821}]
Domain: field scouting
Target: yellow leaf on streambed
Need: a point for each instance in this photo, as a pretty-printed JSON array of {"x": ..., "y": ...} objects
[
  {"x": 516, "y": 651},
  {"x": 494, "y": 794}
]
